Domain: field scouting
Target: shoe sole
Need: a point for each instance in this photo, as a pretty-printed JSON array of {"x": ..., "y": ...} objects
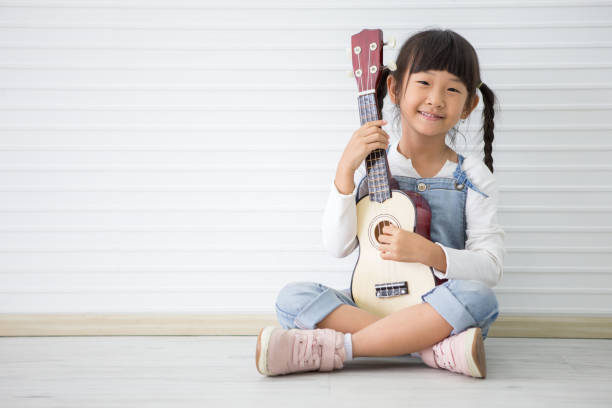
[
  {"x": 263, "y": 340},
  {"x": 475, "y": 352}
]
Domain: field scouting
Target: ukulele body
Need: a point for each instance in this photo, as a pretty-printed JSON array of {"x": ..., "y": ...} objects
[{"x": 383, "y": 286}]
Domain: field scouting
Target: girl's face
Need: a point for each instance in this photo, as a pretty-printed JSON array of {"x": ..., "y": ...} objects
[{"x": 433, "y": 102}]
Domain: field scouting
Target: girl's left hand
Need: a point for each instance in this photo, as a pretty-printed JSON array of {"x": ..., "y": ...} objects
[{"x": 400, "y": 245}]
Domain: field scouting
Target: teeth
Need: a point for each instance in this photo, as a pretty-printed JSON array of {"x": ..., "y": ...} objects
[{"x": 428, "y": 115}]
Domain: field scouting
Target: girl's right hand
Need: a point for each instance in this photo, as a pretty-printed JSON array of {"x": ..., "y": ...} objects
[{"x": 368, "y": 137}]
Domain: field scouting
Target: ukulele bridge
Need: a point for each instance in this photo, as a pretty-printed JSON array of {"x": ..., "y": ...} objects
[{"x": 386, "y": 290}]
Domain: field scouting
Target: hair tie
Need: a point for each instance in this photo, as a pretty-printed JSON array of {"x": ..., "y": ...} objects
[{"x": 479, "y": 85}]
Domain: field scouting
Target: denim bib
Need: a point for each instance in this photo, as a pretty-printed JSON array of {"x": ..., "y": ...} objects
[{"x": 446, "y": 198}]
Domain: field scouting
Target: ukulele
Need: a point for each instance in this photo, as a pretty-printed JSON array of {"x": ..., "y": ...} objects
[{"x": 378, "y": 285}]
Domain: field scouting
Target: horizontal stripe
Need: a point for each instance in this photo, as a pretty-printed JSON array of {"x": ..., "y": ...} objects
[
  {"x": 276, "y": 67},
  {"x": 252, "y": 289},
  {"x": 241, "y": 26},
  {"x": 284, "y": 209},
  {"x": 295, "y": 128},
  {"x": 284, "y": 269},
  {"x": 290, "y": 87},
  {"x": 260, "y": 228},
  {"x": 276, "y": 108},
  {"x": 295, "y": 148},
  {"x": 273, "y": 249},
  {"x": 251, "y": 168},
  {"x": 577, "y": 323},
  {"x": 338, "y": 5}
]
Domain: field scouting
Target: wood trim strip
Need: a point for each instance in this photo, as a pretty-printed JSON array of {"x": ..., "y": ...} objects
[{"x": 202, "y": 324}]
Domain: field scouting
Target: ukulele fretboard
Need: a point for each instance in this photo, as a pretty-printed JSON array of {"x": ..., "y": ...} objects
[{"x": 377, "y": 167}]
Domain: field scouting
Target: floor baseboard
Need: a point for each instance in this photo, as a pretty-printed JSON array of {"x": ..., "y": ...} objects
[{"x": 239, "y": 324}]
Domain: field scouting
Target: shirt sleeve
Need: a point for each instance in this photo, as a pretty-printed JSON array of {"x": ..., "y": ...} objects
[
  {"x": 339, "y": 224},
  {"x": 482, "y": 258}
]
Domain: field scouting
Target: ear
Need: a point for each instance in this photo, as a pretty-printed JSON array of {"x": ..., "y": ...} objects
[
  {"x": 467, "y": 112},
  {"x": 390, "y": 88}
]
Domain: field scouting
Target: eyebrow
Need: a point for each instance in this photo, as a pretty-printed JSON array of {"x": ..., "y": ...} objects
[{"x": 454, "y": 79}]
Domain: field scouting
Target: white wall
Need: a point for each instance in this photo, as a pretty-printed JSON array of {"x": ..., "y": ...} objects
[{"x": 176, "y": 155}]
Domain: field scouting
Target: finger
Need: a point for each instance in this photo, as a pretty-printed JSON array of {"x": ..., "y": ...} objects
[
  {"x": 372, "y": 135},
  {"x": 376, "y": 137},
  {"x": 376, "y": 123},
  {"x": 386, "y": 255},
  {"x": 370, "y": 147},
  {"x": 376, "y": 142},
  {"x": 370, "y": 129},
  {"x": 388, "y": 229}
]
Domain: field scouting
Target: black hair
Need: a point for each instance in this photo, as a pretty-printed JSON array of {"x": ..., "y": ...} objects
[{"x": 443, "y": 50}]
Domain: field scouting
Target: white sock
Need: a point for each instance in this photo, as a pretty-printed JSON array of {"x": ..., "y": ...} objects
[{"x": 348, "y": 346}]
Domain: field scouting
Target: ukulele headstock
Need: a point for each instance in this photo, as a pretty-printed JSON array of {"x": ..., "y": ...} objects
[{"x": 367, "y": 58}]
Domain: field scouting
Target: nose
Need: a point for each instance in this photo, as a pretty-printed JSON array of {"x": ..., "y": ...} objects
[{"x": 435, "y": 97}]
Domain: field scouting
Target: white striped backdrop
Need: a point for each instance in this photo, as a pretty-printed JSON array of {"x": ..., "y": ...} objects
[{"x": 176, "y": 155}]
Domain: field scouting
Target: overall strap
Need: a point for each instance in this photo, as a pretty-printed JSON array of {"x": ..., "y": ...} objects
[{"x": 462, "y": 179}]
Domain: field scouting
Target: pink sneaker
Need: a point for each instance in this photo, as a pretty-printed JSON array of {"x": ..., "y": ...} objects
[
  {"x": 281, "y": 351},
  {"x": 462, "y": 353}
]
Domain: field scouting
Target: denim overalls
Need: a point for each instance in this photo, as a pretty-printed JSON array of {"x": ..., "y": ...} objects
[{"x": 463, "y": 303}]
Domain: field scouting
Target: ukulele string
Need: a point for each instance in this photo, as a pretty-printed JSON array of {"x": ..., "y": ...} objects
[
  {"x": 384, "y": 264},
  {"x": 379, "y": 170},
  {"x": 375, "y": 164},
  {"x": 361, "y": 77},
  {"x": 388, "y": 266},
  {"x": 375, "y": 159},
  {"x": 375, "y": 167}
]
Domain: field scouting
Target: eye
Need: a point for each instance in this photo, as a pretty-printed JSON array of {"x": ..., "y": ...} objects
[
  {"x": 425, "y": 82},
  {"x": 454, "y": 90}
]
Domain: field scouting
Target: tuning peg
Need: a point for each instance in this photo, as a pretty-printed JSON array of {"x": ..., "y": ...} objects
[
  {"x": 391, "y": 43},
  {"x": 350, "y": 74},
  {"x": 391, "y": 66}
]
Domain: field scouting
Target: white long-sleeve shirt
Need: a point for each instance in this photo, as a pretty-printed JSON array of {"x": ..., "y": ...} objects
[{"x": 482, "y": 258}]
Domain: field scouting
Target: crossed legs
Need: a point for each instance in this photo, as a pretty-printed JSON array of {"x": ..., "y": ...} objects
[{"x": 406, "y": 331}]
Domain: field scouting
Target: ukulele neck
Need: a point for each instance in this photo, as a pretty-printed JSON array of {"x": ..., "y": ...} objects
[{"x": 377, "y": 166}]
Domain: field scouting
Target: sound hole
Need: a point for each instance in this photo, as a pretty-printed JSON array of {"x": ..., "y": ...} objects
[{"x": 379, "y": 228}]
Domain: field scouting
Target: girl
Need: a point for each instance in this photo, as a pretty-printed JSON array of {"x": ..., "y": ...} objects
[{"x": 435, "y": 85}]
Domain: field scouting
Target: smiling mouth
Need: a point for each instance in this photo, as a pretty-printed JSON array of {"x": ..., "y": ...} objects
[{"x": 430, "y": 116}]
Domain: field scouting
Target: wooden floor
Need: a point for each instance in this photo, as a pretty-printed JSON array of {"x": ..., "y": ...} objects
[{"x": 215, "y": 371}]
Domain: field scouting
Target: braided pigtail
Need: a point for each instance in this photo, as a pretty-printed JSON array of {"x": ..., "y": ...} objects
[{"x": 488, "y": 113}]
